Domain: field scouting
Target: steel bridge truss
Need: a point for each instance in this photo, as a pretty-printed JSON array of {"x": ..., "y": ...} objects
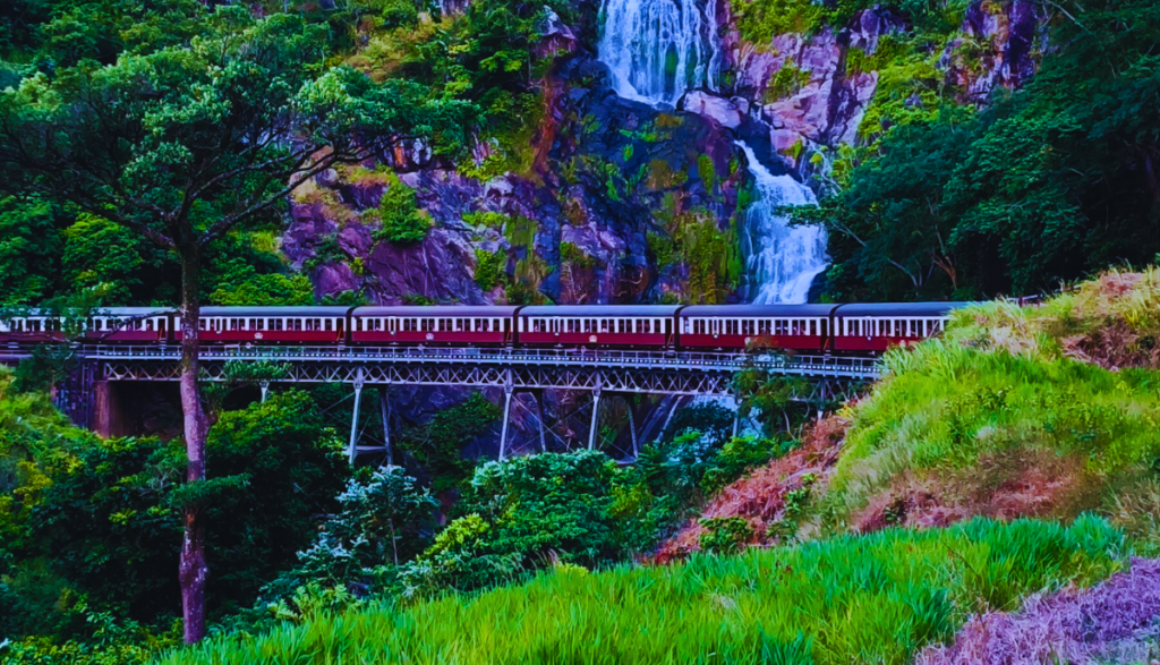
[{"x": 514, "y": 371}]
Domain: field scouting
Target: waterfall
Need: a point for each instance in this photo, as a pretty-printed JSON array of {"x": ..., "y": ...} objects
[
  {"x": 658, "y": 49},
  {"x": 782, "y": 259}
]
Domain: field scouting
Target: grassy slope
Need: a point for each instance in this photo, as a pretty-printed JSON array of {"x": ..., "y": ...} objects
[
  {"x": 1047, "y": 411},
  {"x": 873, "y": 598}
]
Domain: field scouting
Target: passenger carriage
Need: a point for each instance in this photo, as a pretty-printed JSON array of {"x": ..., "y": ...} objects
[
  {"x": 30, "y": 326},
  {"x": 735, "y": 327},
  {"x": 646, "y": 326},
  {"x": 271, "y": 325},
  {"x": 468, "y": 325},
  {"x": 107, "y": 325},
  {"x": 141, "y": 325},
  {"x": 877, "y": 327}
]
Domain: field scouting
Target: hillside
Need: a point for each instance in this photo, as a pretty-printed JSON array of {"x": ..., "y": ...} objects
[
  {"x": 1044, "y": 411},
  {"x": 897, "y": 532}
]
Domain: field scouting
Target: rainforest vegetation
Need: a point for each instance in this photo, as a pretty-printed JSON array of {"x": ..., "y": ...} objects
[{"x": 293, "y": 153}]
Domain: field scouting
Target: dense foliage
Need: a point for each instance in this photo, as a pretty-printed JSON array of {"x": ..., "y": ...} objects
[
  {"x": 1052, "y": 182},
  {"x": 91, "y": 527}
]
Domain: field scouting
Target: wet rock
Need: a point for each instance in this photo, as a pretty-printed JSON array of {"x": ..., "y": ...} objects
[{"x": 724, "y": 112}]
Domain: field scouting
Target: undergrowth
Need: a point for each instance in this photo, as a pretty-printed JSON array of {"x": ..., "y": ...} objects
[{"x": 876, "y": 598}]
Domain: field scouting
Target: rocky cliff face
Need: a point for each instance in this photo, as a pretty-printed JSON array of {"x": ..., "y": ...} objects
[
  {"x": 617, "y": 198},
  {"x": 617, "y": 201}
]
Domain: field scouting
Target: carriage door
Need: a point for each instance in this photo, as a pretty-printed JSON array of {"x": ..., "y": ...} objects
[{"x": 715, "y": 327}]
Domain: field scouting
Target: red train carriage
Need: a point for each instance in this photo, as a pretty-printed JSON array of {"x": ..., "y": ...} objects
[
  {"x": 735, "y": 327},
  {"x": 650, "y": 326},
  {"x": 30, "y": 326},
  {"x": 465, "y": 325},
  {"x": 141, "y": 325},
  {"x": 879, "y": 326},
  {"x": 272, "y": 325}
]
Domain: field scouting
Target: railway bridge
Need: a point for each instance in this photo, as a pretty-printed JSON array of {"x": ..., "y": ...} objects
[{"x": 597, "y": 372}]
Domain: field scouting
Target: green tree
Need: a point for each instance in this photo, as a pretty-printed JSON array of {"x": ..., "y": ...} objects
[
  {"x": 291, "y": 469},
  {"x": 1050, "y": 182},
  {"x": 402, "y": 220},
  {"x": 30, "y": 248},
  {"x": 186, "y": 142},
  {"x": 96, "y": 523},
  {"x": 385, "y": 519}
]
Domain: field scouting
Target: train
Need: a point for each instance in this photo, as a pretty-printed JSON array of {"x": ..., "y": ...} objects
[{"x": 817, "y": 328}]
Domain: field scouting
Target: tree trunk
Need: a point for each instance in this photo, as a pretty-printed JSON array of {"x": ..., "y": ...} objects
[{"x": 192, "y": 569}]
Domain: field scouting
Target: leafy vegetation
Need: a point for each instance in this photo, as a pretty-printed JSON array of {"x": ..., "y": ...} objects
[
  {"x": 402, "y": 221},
  {"x": 1047, "y": 183},
  {"x": 872, "y": 598},
  {"x": 91, "y": 527}
]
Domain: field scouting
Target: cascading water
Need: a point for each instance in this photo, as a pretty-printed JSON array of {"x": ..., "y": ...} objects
[
  {"x": 783, "y": 259},
  {"x": 658, "y": 49}
]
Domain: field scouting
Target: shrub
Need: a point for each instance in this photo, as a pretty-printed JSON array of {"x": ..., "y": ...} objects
[
  {"x": 490, "y": 268},
  {"x": 725, "y": 535},
  {"x": 402, "y": 221}
]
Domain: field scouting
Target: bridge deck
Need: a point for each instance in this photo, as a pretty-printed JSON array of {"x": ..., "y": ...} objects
[{"x": 804, "y": 365}]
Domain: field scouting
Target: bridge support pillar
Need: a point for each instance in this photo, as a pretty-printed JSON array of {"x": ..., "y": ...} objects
[
  {"x": 632, "y": 430},
  {"x": 672, "y": 412},
  {"x": 265, "y": 387},
  {"x": 108, "y": 416},
  {"x": 543, "y": 420},
  {"x": 595, "y": 415},
  {"x": 507, "y": 410},
  {"x": 358, "y": 388},
  {"x": 385, "y": 413}
]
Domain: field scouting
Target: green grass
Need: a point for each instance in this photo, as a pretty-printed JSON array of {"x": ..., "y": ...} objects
[
  {"x": 1008, "y": 389},
  {"x": 875, "y": 598}
]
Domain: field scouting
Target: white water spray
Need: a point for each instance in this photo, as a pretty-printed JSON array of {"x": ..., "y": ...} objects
[
  {"x": 782, "y": 259},
  {"x": 658, "y": 49}
]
